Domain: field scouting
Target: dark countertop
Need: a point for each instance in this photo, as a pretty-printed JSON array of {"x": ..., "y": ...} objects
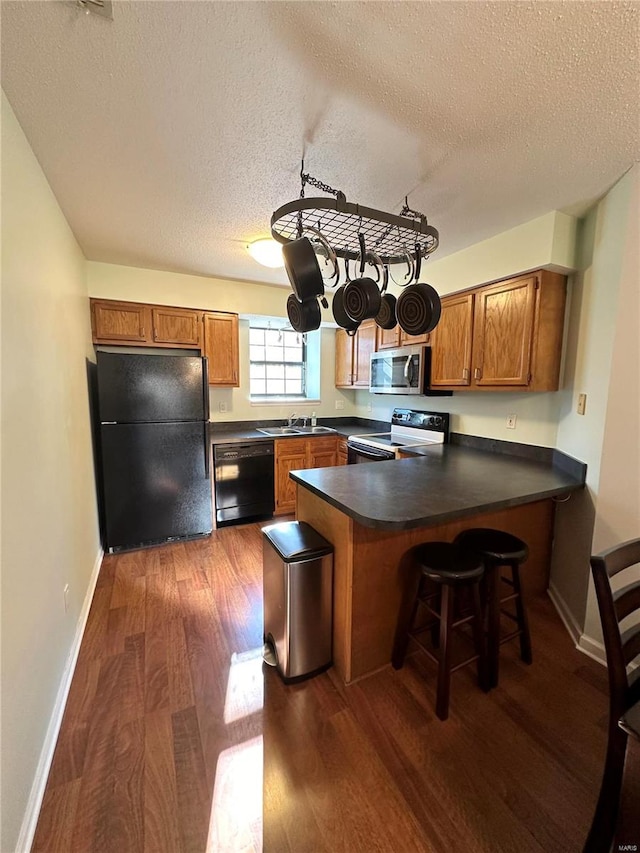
[
  {"x": 444, "y": 483},
  {"x": 229, "y": 433}
]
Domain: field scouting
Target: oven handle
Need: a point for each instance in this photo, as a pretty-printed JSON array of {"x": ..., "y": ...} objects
[{"x": 369, "y": 453}]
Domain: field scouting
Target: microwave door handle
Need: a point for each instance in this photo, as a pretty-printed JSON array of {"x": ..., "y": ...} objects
[{"x": 407, "y": 370}]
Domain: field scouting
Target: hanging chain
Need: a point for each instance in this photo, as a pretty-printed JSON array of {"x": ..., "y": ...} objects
[
  {"x": 415, "y": 214},
  {"x": 306, "y": 178}
]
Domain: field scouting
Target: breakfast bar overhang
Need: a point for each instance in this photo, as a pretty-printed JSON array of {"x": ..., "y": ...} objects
[{"x": 375, "y": 514}]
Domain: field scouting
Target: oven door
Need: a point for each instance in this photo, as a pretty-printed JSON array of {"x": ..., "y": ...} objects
[{"x": 357, "y": 453}]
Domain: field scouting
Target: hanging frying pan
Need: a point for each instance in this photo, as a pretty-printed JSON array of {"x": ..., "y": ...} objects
[
  {"x": 302, "y": 268},
  {"x": 303, "y": 316},
  {"x": 362, "y": 296},
  {"x": 339, "y": 313},
  {"x": 418, "y": 307},
  {"x": 386, "y": 316}
]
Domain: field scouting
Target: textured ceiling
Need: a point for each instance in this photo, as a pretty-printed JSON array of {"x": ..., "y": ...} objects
[{"x": 170, "y": 134}]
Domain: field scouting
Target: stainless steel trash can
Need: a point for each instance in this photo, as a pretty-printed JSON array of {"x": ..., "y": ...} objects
[{"x": 298, "y": 598}]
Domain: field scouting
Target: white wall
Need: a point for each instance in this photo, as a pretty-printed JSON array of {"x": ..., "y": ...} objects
[
  {"x": 49, "y": 518},
  {"x": 604, "y": 321}
]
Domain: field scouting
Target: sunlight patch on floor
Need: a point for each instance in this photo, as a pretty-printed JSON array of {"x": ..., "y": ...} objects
[
  {"x": 245, "y": 689},
  {"x": 236, "y": 814}
]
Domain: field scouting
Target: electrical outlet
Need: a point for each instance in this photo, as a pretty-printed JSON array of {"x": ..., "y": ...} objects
[
  {"x": 65, "y": 594},
  {"x": 582, "y": 404},
  {"x": 222, "y": 406},
  {"x": 339, "y": 404},
  {"x": 369, "y": 407},
  {"x": 511, "y": 421}
]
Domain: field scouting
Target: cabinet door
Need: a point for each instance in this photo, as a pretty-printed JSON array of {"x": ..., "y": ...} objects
[
  {"x": 365, "y": 344},
  {"x": 221, "y": 348},
  {"x": 290, "y": 455},
  {"x": 410, "y": 340},
  {"x": 322, "y": 453},
  {"x": 451, "y": 342},
  {"x": 344, "y": 359},
  {"x": 177, "y": 326},
  {"x": 119, "y": 322},
  {"x": 503, "y": 332},
  {"x": 388, "y": 338}
]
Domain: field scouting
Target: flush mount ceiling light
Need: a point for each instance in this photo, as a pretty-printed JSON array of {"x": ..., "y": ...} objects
[{"x": 266, "y": 252}]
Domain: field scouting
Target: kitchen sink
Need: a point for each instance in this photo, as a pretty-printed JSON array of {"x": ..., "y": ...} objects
[
  {"x": 314, "y": 430},
  {"x": 294, "y": 430},
  {"x": 278, "y": 430}
]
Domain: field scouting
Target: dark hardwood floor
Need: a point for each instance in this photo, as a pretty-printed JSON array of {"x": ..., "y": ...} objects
[{"x": 170, "y": 714}]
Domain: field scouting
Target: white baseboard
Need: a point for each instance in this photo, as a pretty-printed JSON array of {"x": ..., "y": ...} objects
[
  {"x": 565, "y": 614},
  {"x": 592, "y": 648},
  {"x": 584, "y": 643},
  {"x": 32, "y": 812}
]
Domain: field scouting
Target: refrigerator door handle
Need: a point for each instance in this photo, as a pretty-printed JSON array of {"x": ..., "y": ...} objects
[
  {"x": 207, "y": 452},
  {"x": 205, "y": 386}
]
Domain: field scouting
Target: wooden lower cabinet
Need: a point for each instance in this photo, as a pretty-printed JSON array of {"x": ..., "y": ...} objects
[
  {"x": 342, "y": 451},
  {"x": 297, "y": 454}
]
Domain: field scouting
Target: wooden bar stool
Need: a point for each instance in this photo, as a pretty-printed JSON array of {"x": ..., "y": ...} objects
[
  {"x": 451, "y": 570},
  {"x": 498, "y": 548}
]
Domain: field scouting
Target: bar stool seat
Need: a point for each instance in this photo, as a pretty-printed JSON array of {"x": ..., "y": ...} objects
[
  {"x": 451, "y": 570},
  {"x": 497, "y": 548}
]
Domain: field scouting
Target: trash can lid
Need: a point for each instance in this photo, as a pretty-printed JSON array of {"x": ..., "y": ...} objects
[{"x": 296, "y": 541}]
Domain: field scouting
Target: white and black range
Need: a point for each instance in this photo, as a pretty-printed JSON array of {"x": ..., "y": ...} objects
[{"x": 409, "y": 428}]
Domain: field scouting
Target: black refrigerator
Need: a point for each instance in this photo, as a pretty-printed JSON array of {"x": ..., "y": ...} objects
[{"x": 154, "y": 448}]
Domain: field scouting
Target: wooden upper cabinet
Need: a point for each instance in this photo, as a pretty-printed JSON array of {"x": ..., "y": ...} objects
[
  {"x": 178, "y": 326},
  {"x": 451, "y": 342},
  {"x": 503, "y": 332},
  {"x": 364, "y": 345},
  {"x": 221, "y": 348},
  {"x": 120, "y": 322},
  {"x": 397, "y": 337},
  {"x": 514, "y": 328},
  {"x": 344, "y": 359},
  {"x": 353, "y": 356},
  {"x": 411, "y": 340}
]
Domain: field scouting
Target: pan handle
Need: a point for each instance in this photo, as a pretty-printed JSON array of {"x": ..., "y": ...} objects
[
  {"x": 418, "y": 263},
  {"x": 363, "y": 253}
]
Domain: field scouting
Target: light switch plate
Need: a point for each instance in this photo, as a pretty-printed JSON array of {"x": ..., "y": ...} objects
[
  {"x": 582, "y": 404},
  {"x": 339, "y": 404}
]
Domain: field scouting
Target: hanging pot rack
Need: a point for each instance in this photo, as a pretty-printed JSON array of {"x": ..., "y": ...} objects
[{"x": 390, "y": 236}]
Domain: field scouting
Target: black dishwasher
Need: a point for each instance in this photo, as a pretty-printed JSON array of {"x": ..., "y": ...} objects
[{"x": 244, "y": 481}]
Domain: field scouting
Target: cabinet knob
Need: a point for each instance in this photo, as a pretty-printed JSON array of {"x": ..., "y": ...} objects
[
  {"x": 465, "y": 373},
  {"x": 477, "y": 373}
]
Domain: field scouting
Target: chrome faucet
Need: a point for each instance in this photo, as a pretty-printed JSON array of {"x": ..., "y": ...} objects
[{"x": 293, "y": 418}]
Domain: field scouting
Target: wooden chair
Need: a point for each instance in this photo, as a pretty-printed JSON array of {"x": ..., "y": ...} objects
[
  {"x": 447, "y": 568},
  {"x": 621, "y": 647}
]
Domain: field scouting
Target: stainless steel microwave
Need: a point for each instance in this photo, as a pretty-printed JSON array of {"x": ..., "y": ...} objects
[{"x": 406, "y": 370}]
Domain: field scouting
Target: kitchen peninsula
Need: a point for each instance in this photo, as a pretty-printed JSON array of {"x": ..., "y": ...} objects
[{"x": 374, "y": 514}]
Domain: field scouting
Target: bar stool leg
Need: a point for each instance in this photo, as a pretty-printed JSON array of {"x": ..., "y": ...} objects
[
  {"x": 444, "y": 667},
  {"x": 478, "y": 638},
  {"x": 523, "y": 621},
  {"x": 493, "y": 621}
]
